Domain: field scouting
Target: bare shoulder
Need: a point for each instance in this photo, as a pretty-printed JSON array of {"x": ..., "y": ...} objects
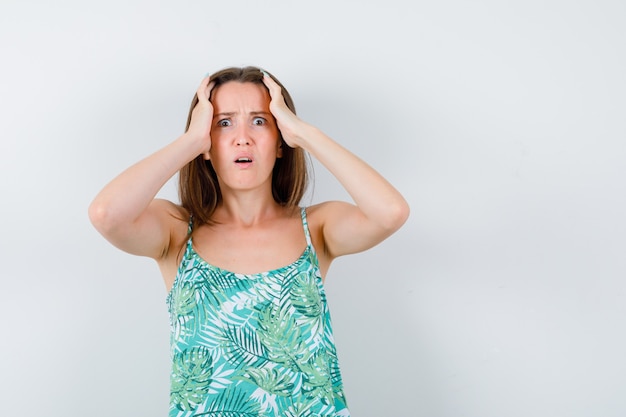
[
  {"x": 319, "y": 214},
  {"x": 173, "y": 210},
  {"x": 319, "y": 217},
  {"x": 342, "y": 228},
  {"x": 177, "y": 219}
]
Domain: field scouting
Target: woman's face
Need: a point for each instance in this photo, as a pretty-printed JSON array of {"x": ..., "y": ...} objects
[{"x": 244, "y": 137}]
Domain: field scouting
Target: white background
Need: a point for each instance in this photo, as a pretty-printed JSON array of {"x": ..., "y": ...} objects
[{"x": 502, "y": 122}]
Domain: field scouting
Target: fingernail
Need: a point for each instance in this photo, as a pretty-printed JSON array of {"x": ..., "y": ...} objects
[{"x": 265, "y": 74}]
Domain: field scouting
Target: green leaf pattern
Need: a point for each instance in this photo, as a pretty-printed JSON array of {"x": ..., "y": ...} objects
[{"x": 253, "y": 345}]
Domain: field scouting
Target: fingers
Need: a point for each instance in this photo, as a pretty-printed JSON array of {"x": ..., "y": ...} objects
[
  {"x": 278, "y": 106},
  {"x": 199, "y": 123},
  {"x": 204, "y": 91},
  {"x": 272, "y": 86}
]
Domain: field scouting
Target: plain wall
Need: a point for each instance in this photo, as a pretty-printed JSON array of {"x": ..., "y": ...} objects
[{"x": 503, "y": 124}]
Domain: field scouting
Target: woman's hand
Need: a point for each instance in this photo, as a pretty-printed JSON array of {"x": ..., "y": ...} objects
[
  {"x": 291, "y": 127},
  {"x": 379, "y": 209},
  {"x": 202, "y": 117}
]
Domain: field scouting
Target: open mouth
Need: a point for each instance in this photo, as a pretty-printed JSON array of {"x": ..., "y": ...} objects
[{"x": 243, "y": 160}]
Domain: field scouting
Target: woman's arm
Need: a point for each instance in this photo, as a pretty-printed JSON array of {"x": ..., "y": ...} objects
[
  {"x": 379, "y": 208},
  {"x": 126, "y": 212}
]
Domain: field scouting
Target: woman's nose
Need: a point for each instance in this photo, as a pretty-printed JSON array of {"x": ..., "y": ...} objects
[{"x": 243, "y": 137}]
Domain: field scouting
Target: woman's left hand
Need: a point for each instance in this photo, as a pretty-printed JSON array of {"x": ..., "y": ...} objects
[{"x": 291, "y": 126}]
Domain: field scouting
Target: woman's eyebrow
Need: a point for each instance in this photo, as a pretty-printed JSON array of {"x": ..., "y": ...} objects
[
  {"x": 222, "y": 114},
  {"x": 233, "y": 113}
]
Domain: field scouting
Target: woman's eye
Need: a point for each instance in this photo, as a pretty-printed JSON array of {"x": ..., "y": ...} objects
[
  {"x": 224, "y": 123},
  {"x": 258, "y": 121}
]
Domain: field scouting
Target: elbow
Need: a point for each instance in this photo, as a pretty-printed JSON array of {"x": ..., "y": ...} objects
[
  {"x": 403, "y": 213},
  {"x": 101, "y": 217},
  {"x": 397, "y": 215},
  {"x": 97, "y": 214}
]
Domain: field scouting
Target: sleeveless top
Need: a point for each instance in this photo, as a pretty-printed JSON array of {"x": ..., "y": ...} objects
[{"x": 252, "y": 344}]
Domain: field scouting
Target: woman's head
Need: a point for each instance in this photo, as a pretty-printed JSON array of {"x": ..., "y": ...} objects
[{"x": 199, "y": 188}]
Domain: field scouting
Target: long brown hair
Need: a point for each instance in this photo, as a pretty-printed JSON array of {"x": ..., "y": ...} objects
[{"x": 198, "y": 186}]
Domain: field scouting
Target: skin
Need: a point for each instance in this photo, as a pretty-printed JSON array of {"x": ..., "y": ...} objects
[{"x": 252, "y": 233}]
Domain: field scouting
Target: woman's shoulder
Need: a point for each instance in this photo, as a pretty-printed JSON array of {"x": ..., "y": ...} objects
[
  {"x": 165, "y": 204},
  {"x": 169, "y": 212},
  {"x": 177, "y": 219},
  {"x": 320, "y": 212},
  {"x": 319, "y": 216}
]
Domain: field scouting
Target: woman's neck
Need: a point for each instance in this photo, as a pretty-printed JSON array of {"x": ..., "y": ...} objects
[{"x": 247, "y": 209}]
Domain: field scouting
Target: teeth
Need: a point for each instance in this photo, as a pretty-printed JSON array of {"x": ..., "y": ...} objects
[{"x": 244, "y": 160}]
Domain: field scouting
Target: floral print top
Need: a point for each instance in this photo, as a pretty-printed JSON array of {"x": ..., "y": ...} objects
[{"x": 253, "y": 344}]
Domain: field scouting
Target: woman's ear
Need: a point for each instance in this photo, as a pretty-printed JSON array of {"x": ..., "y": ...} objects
[{"x": 279, "y": 151}]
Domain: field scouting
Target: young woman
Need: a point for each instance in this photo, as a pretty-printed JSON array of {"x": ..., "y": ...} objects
[{"x": 242, "y": 262}]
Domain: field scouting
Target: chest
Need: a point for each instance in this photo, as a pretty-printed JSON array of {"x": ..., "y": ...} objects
[{"x": 250, "y": 250}]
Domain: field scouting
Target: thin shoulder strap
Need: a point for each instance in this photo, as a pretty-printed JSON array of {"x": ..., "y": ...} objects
[
  {"x": 305, "y": 225},
  {"x": 189, "y": 230},
  {"x": 190, "y": 226}
]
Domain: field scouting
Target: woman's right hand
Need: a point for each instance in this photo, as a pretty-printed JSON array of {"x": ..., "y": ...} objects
[{"x": 202, "y": 117}]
